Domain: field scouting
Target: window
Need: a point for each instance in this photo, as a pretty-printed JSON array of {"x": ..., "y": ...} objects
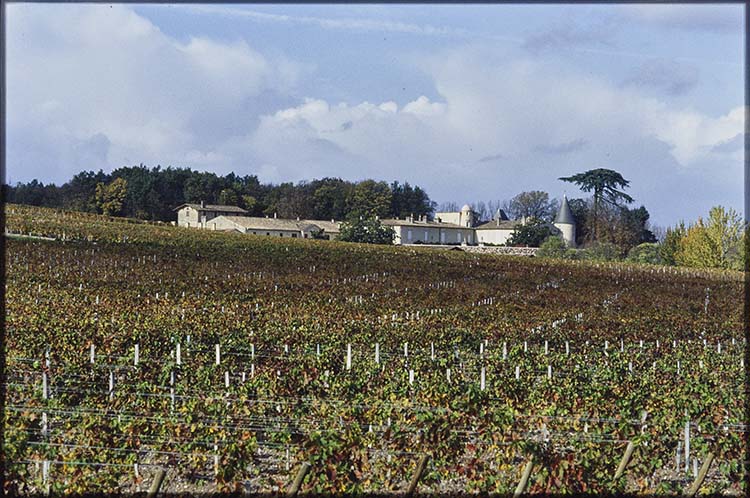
[
  {"x": 294, "y": 235},
  {"x": 255, "y": 233},
  {"x": 268, "y": 233},
  {"x": 281, "y": 235}
]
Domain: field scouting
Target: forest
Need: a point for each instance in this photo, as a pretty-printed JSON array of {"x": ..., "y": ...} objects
[{"x": 153, "y": 193}]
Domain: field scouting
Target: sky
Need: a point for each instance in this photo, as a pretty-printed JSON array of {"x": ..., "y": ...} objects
[{"x": 472, "y": 103}]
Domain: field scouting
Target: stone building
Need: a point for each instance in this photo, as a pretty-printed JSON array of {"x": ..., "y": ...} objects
[
  {"x": 424, "y": 231},
  {"x": 198, "y": 215},
  {"x": 276, "y": 227},
  {"x": 447, "y": 228}
]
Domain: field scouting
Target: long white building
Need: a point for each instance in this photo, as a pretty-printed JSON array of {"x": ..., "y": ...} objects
[
  {"x": 461, "y": 228},
  {"x": 447, "y": 228}
]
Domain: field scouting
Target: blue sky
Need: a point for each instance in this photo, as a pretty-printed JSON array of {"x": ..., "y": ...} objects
[{"x": 472, "y": 103}]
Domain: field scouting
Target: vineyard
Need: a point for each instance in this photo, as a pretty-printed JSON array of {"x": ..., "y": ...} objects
[{"x": 229, "y": 360}]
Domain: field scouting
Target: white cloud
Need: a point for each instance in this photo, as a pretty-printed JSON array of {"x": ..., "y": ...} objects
[
  {"x": 342, "y": 23},
  {"x": 77, "y": 71},
  {"x": 98, "y": 87},
  {"x": 535, "y": 120},
  {"x": 695, "y": 137}
]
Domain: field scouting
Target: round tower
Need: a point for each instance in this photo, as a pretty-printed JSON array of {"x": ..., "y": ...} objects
[
  {"x": 566, "y": 223},
  {"x": 466, "y": 218}
]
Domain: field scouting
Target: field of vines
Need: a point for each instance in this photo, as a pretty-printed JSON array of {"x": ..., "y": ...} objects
[{"x": 229, "y": 360}]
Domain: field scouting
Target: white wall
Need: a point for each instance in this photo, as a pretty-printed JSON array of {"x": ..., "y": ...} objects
[
  {"x": 494, "y": 236},
  {"x": 432, "y": 235}
]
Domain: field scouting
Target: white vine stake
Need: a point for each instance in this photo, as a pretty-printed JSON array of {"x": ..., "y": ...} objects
[
  {"x": 448, "y": 374},
  {"x": 687, "y": 444},
  {"x": 136, "y": 355},
  {"x": 218, "y": 354},
  {"x": 226, "y": 379},
  {"x": 432, "y": 351},
  {"x": 411, "y": 377},
  {"x": 481, "y": 380},
  {"x": 45, "y": 392},
  {"x": 567, "y": 348},
  {"x": 505, "y": 350},
  {"x": 92, "y": 353},
  {"x": 518, "y": 372},
  {"x": 406, "y": 349},
  {"x": 546, "y": 347},
  {"x": 178, "y": 354},
  {"x": 111, "y": 385},
  {"x": 525, "y": 346},
  {"x": 377, "y": 352},
  {"x": 348, "y": 356}
]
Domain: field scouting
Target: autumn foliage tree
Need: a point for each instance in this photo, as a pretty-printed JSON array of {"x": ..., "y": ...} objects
[
  {"x": 110, "y": 197},
  {"x": 717, "y": 242}
]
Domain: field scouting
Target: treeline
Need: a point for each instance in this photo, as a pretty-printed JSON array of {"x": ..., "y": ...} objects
[
  {"x": 153, "y": 193},
  {"x": 720, "y": 242}
]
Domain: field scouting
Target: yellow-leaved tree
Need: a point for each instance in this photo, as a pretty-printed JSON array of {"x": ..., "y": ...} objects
[
  {"x": 110, "y": 198},
  {"x": 716, "y": 243}
]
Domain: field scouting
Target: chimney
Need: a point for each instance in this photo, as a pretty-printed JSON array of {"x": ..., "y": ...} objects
[
  {"x": 202, "y": 205},
  {"x": 497, "y": 222},
  {"x": 274, "y": 216}
]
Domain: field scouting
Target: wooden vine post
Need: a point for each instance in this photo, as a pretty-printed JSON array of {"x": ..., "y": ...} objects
[
  {"x": 303, "y": 470},
  {"x": 158, "y": 479},
  {"x": 629, "y": 451},
  {"x": 524, "y": 478},
  {"x": 421, "y": 466},
  {"x": 693, "y": 490}
]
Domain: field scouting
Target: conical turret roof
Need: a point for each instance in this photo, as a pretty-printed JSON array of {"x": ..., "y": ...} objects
[{"x": 565, "y": 215}]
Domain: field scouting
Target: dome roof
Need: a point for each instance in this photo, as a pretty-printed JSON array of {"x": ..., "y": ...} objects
[{"x": 466, "y": 208}]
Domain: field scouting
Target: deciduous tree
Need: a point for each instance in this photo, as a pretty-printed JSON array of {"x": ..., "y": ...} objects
[{"x": 110, "y": 198}]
